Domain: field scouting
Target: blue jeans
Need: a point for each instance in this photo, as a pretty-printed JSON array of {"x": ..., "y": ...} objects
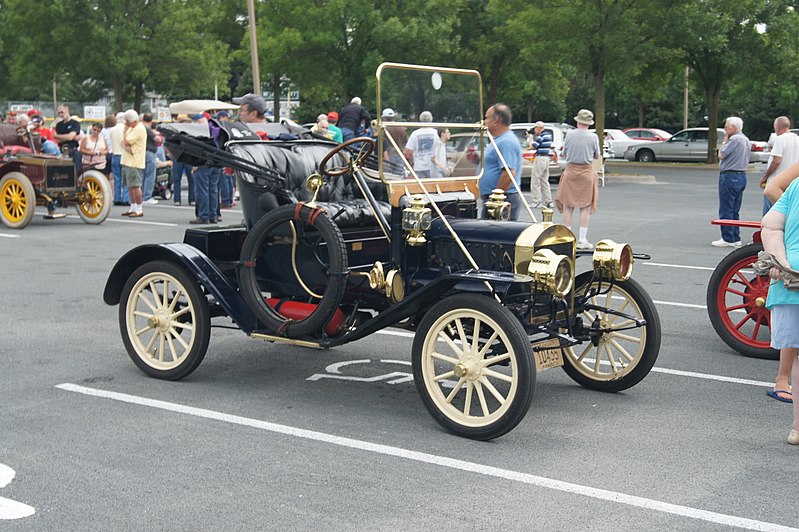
[
  {"x": 731, "y": 193},
  {"x": 206, "y": 188},
  {"x": 226, "y": 188},
  {"x": 178, "y": 170},
  {"x": 347, "y": 134},
  {"x": 148, "y": 182},
  {"x": 77, "y": 158},
  {"x": 120, "y": 191}
]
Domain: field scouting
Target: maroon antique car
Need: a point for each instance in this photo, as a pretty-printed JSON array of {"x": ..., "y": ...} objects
[
  {"x": 736, "y": 299},
  {"x": 30, "y": 179}
]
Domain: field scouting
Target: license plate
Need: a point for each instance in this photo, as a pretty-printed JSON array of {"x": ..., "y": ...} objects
[{"x": 550, "y": 357}]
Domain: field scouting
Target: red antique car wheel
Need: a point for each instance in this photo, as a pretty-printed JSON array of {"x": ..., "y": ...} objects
[{"x": 736, "y": 304}]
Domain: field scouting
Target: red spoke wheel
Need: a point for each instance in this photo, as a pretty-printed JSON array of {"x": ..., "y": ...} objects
[{"x": 736, "y": 304}]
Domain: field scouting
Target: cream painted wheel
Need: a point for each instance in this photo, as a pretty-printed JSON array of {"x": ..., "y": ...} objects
[
  {"x": 472, "y": 365},
  {"x": 94, "y": 198},
  {"x": 164, "y": 320},
  {"x": 17, "y": 200},
  {"x": 623, "y": 355}
]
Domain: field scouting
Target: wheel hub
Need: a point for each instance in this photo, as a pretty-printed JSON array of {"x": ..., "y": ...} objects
[
  {"x": 160, "y": 320},
  {"x": 467, "y": 368}
]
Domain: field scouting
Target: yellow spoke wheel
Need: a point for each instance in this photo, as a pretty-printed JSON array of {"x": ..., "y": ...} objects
[
  {"x": 94, "y": 197},
  {"x": 17, "y": 200}
]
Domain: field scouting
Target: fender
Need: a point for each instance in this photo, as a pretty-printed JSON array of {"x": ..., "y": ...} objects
[
  {"x": 424, "y": 297},
  {"x": 199, "y": 265}
]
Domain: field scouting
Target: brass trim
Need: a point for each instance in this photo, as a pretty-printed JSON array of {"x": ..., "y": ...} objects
[
  {"x": 537, "y": 236},
  {"x": 294, "y": 262},
  {"x": 282, "y": 340}
]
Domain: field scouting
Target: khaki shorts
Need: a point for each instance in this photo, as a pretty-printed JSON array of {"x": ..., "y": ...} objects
[{"x": 131, "y": 177}]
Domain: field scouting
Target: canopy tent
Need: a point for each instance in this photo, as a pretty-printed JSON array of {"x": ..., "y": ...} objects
[{"x": 191, "y": 107}]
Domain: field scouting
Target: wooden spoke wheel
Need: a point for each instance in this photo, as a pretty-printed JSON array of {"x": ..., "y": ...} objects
[
  {"x": 17, "y": 200},
  {"x": 94, "y": 198}
]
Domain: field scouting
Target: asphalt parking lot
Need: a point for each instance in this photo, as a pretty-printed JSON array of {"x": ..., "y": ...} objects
[{"x": 269, "y": 437}]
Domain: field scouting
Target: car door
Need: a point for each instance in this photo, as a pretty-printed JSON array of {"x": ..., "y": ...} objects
[
  {"x": 699, "y": 146},
  {"x": 677, "y": 148}
]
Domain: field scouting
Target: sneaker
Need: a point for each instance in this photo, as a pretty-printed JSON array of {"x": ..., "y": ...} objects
[
  {"x": 151, "y": 201},
  {"x": 721, "y": 243},
  {"x": 535, "y": 205},
  {"x": 793, "y": 437},
  {"x": 177, "y": 204},
  {"x": 584, "y": 245},
  {"x": 199, "y": 221},
  {"x": 550, "y": 205},
  {"x": 236, "y": 194}
]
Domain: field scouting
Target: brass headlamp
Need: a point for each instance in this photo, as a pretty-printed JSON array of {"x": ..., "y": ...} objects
[
  {"x": 555, "y": 273},
  {"x": 416, "y": 219},
  {"x": 497, "y": 207},
  {"x": 614, "y": 259}
]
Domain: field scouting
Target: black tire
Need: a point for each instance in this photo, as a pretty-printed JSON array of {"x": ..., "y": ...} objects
[
  {"x": 630, "y": 298},
  {"x": 514, "y": 379},
  {"x": 645, "y": 156},
  {"x": 154, "y": 328},
  {"x": 336, "y": 280},
  {"x": 166, "y": 193},
  {"x": 741, "y": 321}
]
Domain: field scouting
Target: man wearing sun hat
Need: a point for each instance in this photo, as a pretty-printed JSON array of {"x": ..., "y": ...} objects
[
  {"x": 578, "y": 188},
  {"x": 400, "y": 136}
]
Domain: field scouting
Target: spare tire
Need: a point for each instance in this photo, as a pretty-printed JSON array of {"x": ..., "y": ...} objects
[{"x": 274, "y": 322}]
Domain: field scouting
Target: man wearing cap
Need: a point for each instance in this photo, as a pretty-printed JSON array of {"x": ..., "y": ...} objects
[
  {"x": 400, "y": 136},
  {"x": 541, "y": 141},
  {"x": 578, "y": 188},
  {"x": 38, "y": 127},
  {"x": 251, "y": 111},
  {"x": 223, "y": 116},
  {"x": 121, "y": 196},
  {"x": 498, "y": 118},
  {"x": 133, "y": 160},
  {"x": 353, "y": 118},
  {"x": 422, "y": 145},
  {"x": 332, "y": 118}
]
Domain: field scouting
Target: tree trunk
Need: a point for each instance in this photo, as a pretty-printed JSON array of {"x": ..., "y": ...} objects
[
  {"x": 118, "y": 94},
  {"x": 276, "y": 96},
  {"x": 641, "y": 113},
  {"x": 138, "y": 95},
  {"x": 599, "y": 103},
  {"x": 712, "y": 97}
]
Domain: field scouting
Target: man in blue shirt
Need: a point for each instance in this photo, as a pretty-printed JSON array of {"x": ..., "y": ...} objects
[
  {"x": 733, "y": 161},
  {"x": 497, "y": 120},
  {"x": 541, "y": 141}
]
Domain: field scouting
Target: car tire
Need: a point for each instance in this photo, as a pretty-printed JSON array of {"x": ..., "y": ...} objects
[
  {"x": 638, "y": 348},
  {"x": 318, "y": 220},
  {"x": 481, "y": 392},
  {"x": 17, "y": 200},
  {"x": 734, "y": 287},
  {"x": 164, "y": 320},
  {"x": 645, "y": 156},
  {"x": 94, "y": 198}
]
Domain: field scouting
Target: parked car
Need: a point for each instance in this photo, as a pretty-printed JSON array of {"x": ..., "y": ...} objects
[
  {"x": 332, "y": 248},
  {"x": 463, "y": 156},
  {"x": 558, "y": 131},
  {"x": 688, "y": 145},
  {"x": 617, "y": 142},
  {"x": 647, "y": 133}
]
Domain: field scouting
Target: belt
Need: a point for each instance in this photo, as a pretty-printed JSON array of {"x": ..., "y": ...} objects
[{"x": 733, "y": 171}]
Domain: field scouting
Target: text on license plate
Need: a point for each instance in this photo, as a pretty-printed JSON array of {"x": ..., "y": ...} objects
[{"x": 551, "y": 357}]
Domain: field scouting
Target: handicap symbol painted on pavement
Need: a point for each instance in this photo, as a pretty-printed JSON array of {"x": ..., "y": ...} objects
[
  {"x": 11, "y": 509},
  {"x": 394, "y": 377}
]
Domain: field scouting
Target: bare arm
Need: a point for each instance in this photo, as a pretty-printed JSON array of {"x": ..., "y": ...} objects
[
  {"x": 775, "y": 162},
  {"x": 773, "y": 235},
  {"x": 778, "y": 185}
]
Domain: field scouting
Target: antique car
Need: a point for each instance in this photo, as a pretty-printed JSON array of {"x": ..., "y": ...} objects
[
  {"x": 31, "y": 179},
  {"x": 337, "y": 244},
  {"x": 736, "y": 299}
]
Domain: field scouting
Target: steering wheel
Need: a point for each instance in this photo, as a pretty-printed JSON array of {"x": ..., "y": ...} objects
[{"x": 367, "y": 146}]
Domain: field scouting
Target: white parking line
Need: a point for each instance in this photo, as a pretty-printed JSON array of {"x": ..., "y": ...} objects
[
  {"x": 4, "y": 235},
  {"x": 120, "y": 220},
  {"x": 442, "y": 461},
  {"x": 663, "y": 265}
]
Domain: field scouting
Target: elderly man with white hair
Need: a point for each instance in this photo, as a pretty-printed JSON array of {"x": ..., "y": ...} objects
[
  {"x": 422, "y": 145},
  {"x": 733, "y": 162},
  {"x": 353, "y": 118},
  {"x": 134, "y": 145}
]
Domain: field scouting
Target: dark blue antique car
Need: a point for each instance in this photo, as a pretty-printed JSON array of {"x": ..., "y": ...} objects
[{"x": 341, "y": 240}]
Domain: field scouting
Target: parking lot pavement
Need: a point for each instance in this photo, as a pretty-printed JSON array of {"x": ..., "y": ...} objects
[{"x": 282, "y": 437}]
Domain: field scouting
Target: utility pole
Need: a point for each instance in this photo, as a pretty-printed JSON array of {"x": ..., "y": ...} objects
[{"x": 256, "y": 74}]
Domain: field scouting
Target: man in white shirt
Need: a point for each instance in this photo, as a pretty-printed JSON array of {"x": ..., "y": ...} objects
[
  {"x": 422, "y": 146},
  {"x": 784, "y": 153},
  {"x": 121, "y": 196}
]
